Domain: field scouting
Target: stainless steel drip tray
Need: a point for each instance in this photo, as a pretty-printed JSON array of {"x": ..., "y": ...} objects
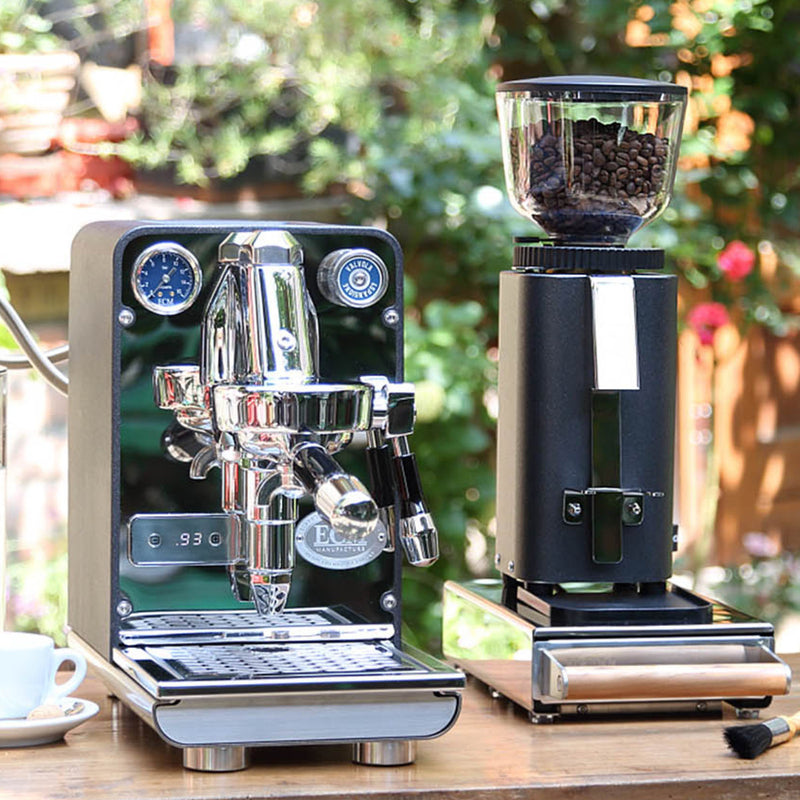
[
  {"x": 209, "y": 627},
  {"x": 182, "y": 654},
  {"x": 183, "y": 670}
]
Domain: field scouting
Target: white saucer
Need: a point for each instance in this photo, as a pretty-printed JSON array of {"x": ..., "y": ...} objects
[{"x": 30, "y": 732}]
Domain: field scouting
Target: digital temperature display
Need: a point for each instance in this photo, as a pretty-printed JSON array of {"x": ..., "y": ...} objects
[{"x": 189, "y": 539}]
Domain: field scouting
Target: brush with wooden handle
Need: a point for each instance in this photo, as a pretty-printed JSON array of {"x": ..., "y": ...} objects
[{"x": 750, "y": 741}]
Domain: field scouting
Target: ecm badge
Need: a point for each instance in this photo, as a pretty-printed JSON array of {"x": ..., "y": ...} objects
[{"x": 320, "y": 545}]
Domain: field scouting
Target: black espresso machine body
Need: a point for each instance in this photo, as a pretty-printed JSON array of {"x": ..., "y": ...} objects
[
  {"x": 585, "y": 619},
  {"x": 234, "y": 389}
]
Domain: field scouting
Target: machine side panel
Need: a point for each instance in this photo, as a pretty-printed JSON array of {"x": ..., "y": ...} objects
[{"x": 91, "y": 430}]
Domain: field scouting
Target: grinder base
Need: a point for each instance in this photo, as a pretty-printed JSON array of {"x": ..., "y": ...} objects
[
  {"x": 554, "y": 671},
  {"x": 621, "y": 604}
]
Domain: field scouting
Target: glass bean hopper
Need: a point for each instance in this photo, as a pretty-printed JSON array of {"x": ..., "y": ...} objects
[{"x": 590, "y": 159}]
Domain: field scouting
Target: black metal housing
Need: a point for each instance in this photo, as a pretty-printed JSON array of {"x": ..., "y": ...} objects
[{"x": 545, "y": 431}]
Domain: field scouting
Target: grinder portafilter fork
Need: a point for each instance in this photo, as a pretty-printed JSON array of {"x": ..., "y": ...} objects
[{"x": 258, "y": 409}]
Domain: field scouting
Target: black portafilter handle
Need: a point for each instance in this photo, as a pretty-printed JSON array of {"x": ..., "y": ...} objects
[{"x": 418, "y": 533}]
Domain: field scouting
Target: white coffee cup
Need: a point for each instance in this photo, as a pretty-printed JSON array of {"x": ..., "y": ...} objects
[{"x": 28, "y": 666}]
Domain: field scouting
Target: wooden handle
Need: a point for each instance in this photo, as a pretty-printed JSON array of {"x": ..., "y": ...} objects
[{"x": 665, "y": 681}]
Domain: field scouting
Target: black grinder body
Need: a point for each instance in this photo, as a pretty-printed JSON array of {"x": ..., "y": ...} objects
[{"x": 562, "y": 444}]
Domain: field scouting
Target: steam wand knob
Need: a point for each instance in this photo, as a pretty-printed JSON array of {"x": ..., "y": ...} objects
[
  {"x": 418, "y": 533},
  {"x": 393, "y": 421}
]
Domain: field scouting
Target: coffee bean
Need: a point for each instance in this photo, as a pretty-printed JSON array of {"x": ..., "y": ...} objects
[{"x": 591, "y": 179}]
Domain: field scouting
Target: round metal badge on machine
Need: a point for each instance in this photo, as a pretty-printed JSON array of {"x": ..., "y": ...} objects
[
  {"x": 353, "y": 277},
  {"x": 319, "y": 544}
]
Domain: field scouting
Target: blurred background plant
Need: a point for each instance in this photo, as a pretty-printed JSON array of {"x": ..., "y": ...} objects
[{"x": 388, "y": 105}]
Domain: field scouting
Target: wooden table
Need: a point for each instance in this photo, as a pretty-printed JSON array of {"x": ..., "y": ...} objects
[{"x": 492, "y": 752}]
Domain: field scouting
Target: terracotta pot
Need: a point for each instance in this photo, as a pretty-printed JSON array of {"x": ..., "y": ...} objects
[{"x": 35, "y": 88}]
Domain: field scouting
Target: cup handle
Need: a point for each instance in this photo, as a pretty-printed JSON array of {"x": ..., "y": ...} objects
[{"x": 61, "y": 656}]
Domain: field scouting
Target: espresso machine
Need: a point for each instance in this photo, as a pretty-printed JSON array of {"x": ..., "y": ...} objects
[
  {"x": 585, "y": 619},
  {"x": 242, "y": 489}
]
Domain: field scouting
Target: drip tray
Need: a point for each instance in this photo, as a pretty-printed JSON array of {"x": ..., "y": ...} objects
[
  {"x": 181, "y": 654},
  {"x": 257, "y": 662},
  {"x": 208, "y": 627}
]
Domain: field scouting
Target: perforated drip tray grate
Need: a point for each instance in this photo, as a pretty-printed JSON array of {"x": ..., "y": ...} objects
[
  {"x": 204, "y": 627},
  {"x": 258, "y": 662}
]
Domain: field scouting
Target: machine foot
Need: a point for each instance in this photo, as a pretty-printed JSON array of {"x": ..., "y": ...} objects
[
  {"x": 216, "y": 759},
  {"x": 747, "y": 713},
  {"x": 390, "y": 753},
  {"x": 542, "y": 718}
]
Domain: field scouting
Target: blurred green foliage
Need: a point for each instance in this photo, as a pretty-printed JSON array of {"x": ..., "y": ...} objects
[
  {"x": 40, "y": 26},
  {"x": 389, "y": 103}
]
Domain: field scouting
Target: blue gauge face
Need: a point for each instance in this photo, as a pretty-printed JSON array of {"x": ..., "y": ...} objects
[{"x": 166, "y": 278}]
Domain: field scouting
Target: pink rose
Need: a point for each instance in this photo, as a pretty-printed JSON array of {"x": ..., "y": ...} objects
[
  {"x": 736, "y": 261},
  {"x": 704, "y": 319}
]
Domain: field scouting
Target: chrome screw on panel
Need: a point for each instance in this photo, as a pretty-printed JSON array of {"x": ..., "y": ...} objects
[
  {"x": 126, "y": 317},
  {"x": 511, "y": 566},
  {"x": 154, "y": 540},
  {"x": 497, "y": 559},
  {"x": 391, "y": 317},
  {"x": 124, "y": 608},
  {"x": 388, "y": 601}
]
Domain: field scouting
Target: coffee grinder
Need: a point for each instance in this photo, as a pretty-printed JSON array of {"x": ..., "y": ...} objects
[
  {"x": 585, "y": 619},
  {"x": 242, "y": 488}
]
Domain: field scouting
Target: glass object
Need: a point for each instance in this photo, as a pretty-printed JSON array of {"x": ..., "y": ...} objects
[{"x": 590, "y": 159}]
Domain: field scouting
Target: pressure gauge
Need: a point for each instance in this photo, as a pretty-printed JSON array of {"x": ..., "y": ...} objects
[
  {"x": 353, "y": 277},
  {"x": 166, "y": 278}
]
